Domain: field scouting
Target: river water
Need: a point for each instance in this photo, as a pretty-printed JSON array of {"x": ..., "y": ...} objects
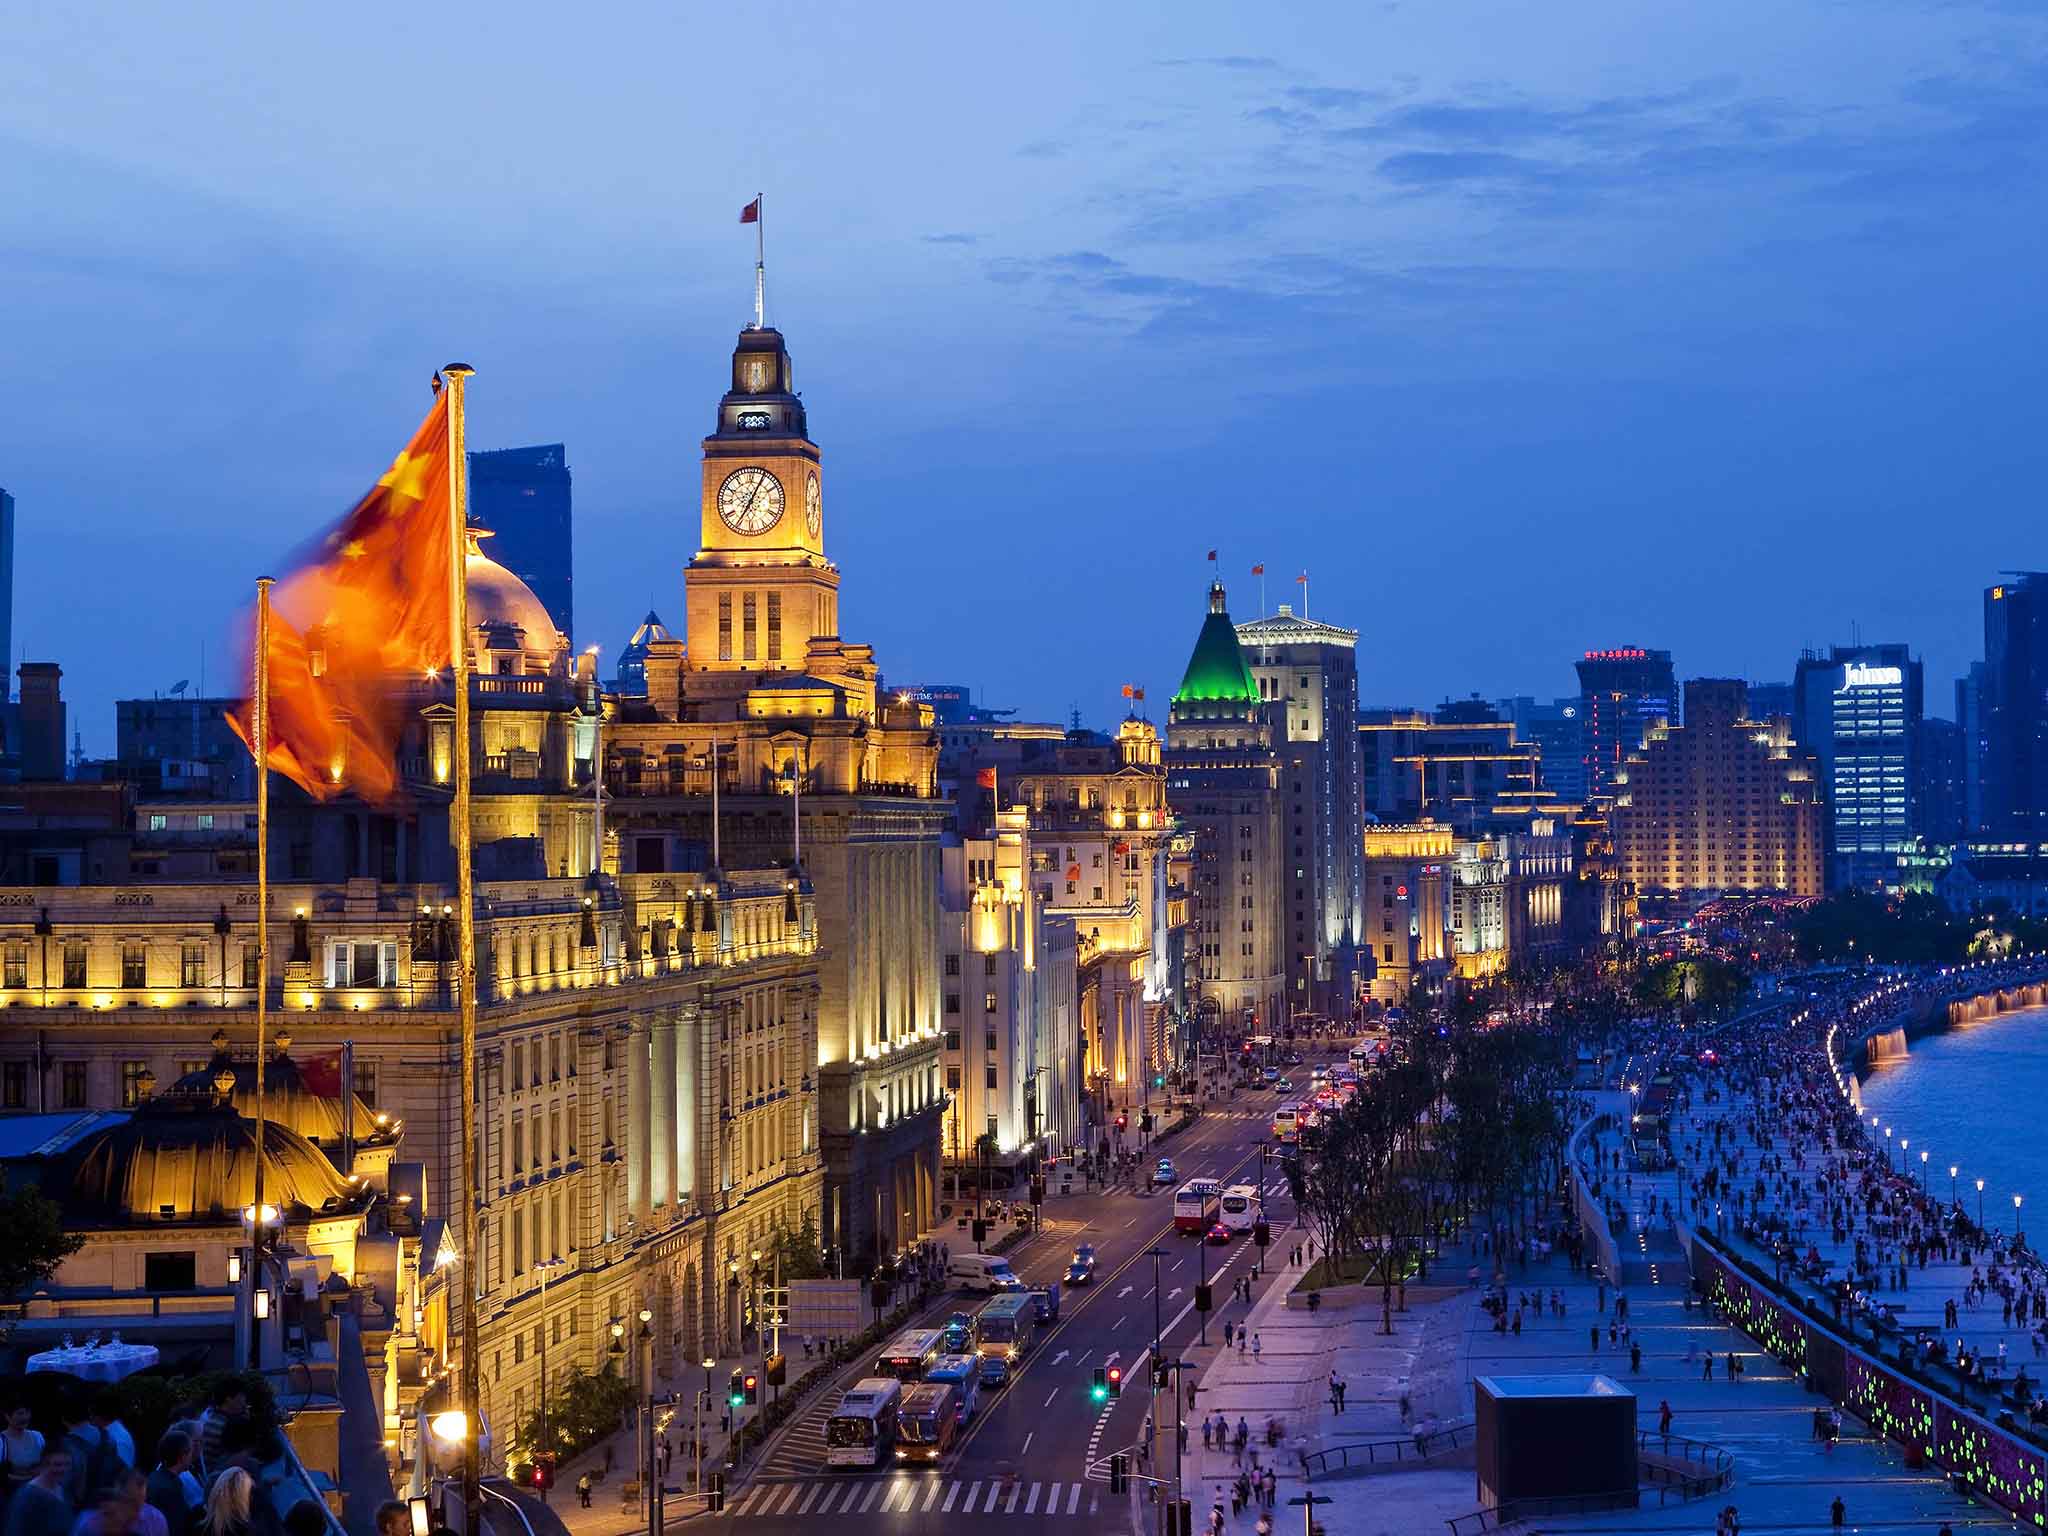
[{"x": 1979, "y": 1095}]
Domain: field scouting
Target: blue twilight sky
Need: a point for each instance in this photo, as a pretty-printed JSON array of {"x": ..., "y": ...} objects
[{"x": 1523, "y": 328}]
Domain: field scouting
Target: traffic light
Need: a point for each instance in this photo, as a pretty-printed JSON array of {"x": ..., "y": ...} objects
[
  {"x": 1262, "y": 1234},
  {"x": 1116, "y": 1381},
  {"x": 544, "y": 1472},
  {"x": 1122, "y": 1119},
  {"x": 776, "y": 1369},
  {"x": 1204, "y": 1298},
  {"x": 1119, "y": 1473},
  {"x": 1145, "y": 1122},
  {"x": 736, "y": 1390},
  {"x": 1162, "y": 1375},
  {"x": 717, "y": 1491},
  {"x": 752, "y": 1387},
  {"x": 1098, "y": 1389},
  {"x": 1159, "y": 1081},
  {"x": 980, "y": 1230}
]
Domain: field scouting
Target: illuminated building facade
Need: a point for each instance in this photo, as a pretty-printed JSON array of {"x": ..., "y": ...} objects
[
  {"x": 1307, "y": 674},
  {"x": 2012, "y": 700},
  {"x": 1857, "y": 711},
  {"x": 1722, "y": 803},
  {"x": 1622, "y": 691},
  {"x": 1407, "y": 893},
  {"x": 1223, "y": 782},
  {"x": 647, "y": 1095},
  {"x": 1461, "y": 765},
  {"x": 763, "y": 696},
  {"x": 1553, "y": 729}
]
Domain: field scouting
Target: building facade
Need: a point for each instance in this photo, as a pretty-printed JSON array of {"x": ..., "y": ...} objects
[
  {"x": 1307, "y": 674},
  {"x": 764, "y": 740},
  {"x": 1722, "y": 803},
  {"x": 176, "y": 745},
  {"x": 1856, "y": 710},
  {"x": 1622, "y": 691},
  {"x": 2013, "y": 699},
  {"x": 1461, "y": 765},
  {"x": 522, "y": 496},
  {"x": 1223, "y": 782}
]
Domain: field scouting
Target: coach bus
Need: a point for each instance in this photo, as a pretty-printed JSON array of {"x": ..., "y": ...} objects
[
  {"x": 1194, "y": 1205},
  {"x": 1003, "y": 1327},
  {"x": 862, "y": 1429},
  {"x": 909, "y": 1356},
  {"x": 1240, "y": 1207},
  {"x": 963, "y": 1374},
  {"x": 926, "y": 1421}
]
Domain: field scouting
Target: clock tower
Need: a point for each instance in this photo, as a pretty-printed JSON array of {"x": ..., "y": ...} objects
[{"x": 760, "y": 589}]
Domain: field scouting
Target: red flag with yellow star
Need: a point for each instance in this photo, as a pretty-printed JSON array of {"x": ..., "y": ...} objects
[{"x": 362, "y": 608}]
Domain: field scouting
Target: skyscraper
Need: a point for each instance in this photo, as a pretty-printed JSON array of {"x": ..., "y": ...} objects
[
  {"x": 1222, "y": 780},
  {"x": 1620, "y": 692},
  {"x": 522, "y": 496},
  {"x": 1560, "y": 743},
  {"x": 1307, "y": 673},
  {"x": 6, "y": 590},
  {"x": 1970, "y": 726},
  {"x": 1857, "y": 710},
  {"x": 2014, "y": 768}
]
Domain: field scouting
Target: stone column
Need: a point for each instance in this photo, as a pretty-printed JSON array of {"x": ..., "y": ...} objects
[
  {"x": 639, "y": 1133},
  {"x": 690, "y": 1048},
  {"x": 662, "y": 1129}
]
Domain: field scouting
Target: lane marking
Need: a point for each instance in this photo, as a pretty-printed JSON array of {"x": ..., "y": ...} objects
[
  {"x": 952, "y": 1493},
  {"x": 1025, "y": 1449},
  {"x": 967, "y": 1503},
  {"x": 1055, "y": 1392},
  {"x": 1010, "y": 1508},
  {"x": 811, "y": 1497},
  {"x": 930, "y": 1495},
  {"x": 995, "y": 1491},
  {"x": 869, "y": 1502}
]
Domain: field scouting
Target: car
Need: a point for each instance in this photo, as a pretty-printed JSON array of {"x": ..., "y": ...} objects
[
  {"x": 1272, "y": 1074},
  {"x": 1164, "y": 1173},
  {"x": 959, "y": 1330},
  {"x": 1079, "y": 1274},
  {"x": 995, "y": 1370},
  {"x": 1084, "y": 1255},
  {"x": 1219, "y": 1233},
  {"x": 1285, "y": 1085}
]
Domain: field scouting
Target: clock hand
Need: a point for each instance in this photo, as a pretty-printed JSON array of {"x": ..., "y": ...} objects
[{"x": 760, "y": 485}]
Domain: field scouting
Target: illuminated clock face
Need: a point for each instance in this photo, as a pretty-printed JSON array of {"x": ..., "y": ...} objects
[
  {"x": 814, "y": 509},
  {"x": 750, "y": 501}
]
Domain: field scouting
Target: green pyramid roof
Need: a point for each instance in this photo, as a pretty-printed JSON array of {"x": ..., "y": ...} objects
[{"x": 1216, "y": 671}]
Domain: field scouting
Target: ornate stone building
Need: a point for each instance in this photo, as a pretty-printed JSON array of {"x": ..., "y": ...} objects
[
  {"x": 1222, "y": 780},
  {"x": 763, "y": 717}
]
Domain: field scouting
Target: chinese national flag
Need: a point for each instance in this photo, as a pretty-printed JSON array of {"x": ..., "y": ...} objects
[
  {"x": 364, "y": 605},
  {"x": 751, "y": 214},
  {"x": 986, "y": 778},
  {"x": 1259, "y": 569},
  {"x": 322, "y": 1074}
]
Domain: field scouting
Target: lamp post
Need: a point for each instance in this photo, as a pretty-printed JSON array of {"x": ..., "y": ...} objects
[
  {"x": 545, "y": 1267},
  {"x": 1980, "y": 1205},
  {"x": 256, "y": 1219},
  {"x": 1952, "y": 1183},
  {"x": 1923, "y": 1173},
  {"x": 646, "y": 1406},
  {"x": 2019, "y": 1229},
  {"x": 703, "y": 1402},
  {"x": 1887, "y": 1149}
]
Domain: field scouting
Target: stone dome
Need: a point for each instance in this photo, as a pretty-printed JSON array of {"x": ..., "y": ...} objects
[
  {"x": 288, "y": 1099},
  {"x": 498, "y": 599},
  {"x": 184, "y": 1158}
]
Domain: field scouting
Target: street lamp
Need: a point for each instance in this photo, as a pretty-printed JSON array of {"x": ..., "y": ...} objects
[
  {"x": 546, "y": 1267},
  {"x": 2018, "y": 1229},
  {"x": 1923, "y": 1173},
  {"x": 255, "y": 1220},
  {"x": 703, "y": 1402},
  {"x": 1980, "y": 1205},
  {"x": 1951, "y": 1183}
]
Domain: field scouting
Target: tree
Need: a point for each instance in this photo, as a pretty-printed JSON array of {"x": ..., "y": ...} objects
[
  {"x": 33, "y": 1242},
  {"x": 582, "y": 1410},
  {"x": 798, "y": 1253}
]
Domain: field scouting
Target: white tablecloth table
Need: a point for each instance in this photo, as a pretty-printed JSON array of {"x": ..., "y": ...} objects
[{"x": 104, "y": 1362}]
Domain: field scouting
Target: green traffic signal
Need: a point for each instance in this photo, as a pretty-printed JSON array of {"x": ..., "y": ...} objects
[{"x": 1099, "y": 1392}]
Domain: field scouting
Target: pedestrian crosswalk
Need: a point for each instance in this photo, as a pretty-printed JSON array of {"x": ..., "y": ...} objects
[{"x": 843, "y": 1496}]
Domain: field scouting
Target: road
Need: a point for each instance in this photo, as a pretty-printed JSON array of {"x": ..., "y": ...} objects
[{"x": 1037, "y": 1450}]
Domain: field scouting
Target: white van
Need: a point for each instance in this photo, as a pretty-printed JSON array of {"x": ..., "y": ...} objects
[{"x": 981, "y": 1272}]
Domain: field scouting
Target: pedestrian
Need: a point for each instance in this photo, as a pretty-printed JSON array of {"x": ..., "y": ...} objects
[
  {"x": 1240, "y": 1342},
  {"x": 1707, "y": 1374},
  {"x": 583, "y": 1490},
  {"x": 1255, "y": 1346},
  {"x": 1837, "y": 1512},
  {"x": 1272, "y": 1487},
  {"x": 1229, "y": 1332},
  {"x": 1208, "y": 1435},
  {"x": 1635, "y": 1358},
  {"x": 1664, "y": 1418},
  {"x": 1593, "y": 1334}
]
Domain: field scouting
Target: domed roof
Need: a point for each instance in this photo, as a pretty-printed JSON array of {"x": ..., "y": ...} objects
[
  {"x": 496, "y": 596},
  {"x": 288, "y": 1099},
  {"x": 182, "y": 1158}
]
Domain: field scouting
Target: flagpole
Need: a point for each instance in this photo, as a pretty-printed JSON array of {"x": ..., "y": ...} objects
[
  {"x": 1262, "y": 589},
  {"x": 259, "y": 729},
  {"x": 760, "y": 262},
  {"x": 457, "y": 375}
]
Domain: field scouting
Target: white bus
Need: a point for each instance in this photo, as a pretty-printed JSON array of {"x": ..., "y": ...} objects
[
  {"x": 862, "y": 1429},
  {"x": 1241, "y": 1207}
]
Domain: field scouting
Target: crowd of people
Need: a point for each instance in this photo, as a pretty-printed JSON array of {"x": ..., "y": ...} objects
[{"x": 202, "y": 1480}]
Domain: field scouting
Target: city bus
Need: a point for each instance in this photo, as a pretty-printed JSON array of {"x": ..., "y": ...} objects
[
  {"x": 1003, "y": 1328},
  {"x": 926, "y": 1421},
  {"x": 1194, "y": 1205},
  {"x": 909, "y": 1355},
  {"x": 1287, "y": 1123},
  {"x": 862, "y": 1429},
  {"x": 1240, "y": 1208},
  {"x": 963, "y": 1374}
]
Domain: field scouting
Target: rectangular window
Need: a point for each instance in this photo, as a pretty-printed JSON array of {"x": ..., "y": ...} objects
[
  {"x": 952, "y": 1039},
  {"x": 251, "y": 966},
  {"x": 952, "y": 966},
  {"x": 170, "y": 1271},
  {"x": 192, "y": 965},
  {"x": 17, "y": 965},
  {"x": 775, "y": 626},
  {"x": 747, "y": 626},
  {"x": 131, "y": 1082},
  {"x": 989, "y": 1078},
  {"x": 952, "y": 1002},
  {"x": 14, "y": 1085},
  {"x": 988, "y": 1002},
  {"x": 725, "y": 626},
  {"x": 366, "y": 1081},
  {"x": 134, "y": 964},
  {"x": 952, "y": 1079},
  {"x": 988, "y": 964},
  {"x": 367, "y": 964},
  {"x": 71, "y": 1080},
  {"x": 988, "y": 1041}
]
